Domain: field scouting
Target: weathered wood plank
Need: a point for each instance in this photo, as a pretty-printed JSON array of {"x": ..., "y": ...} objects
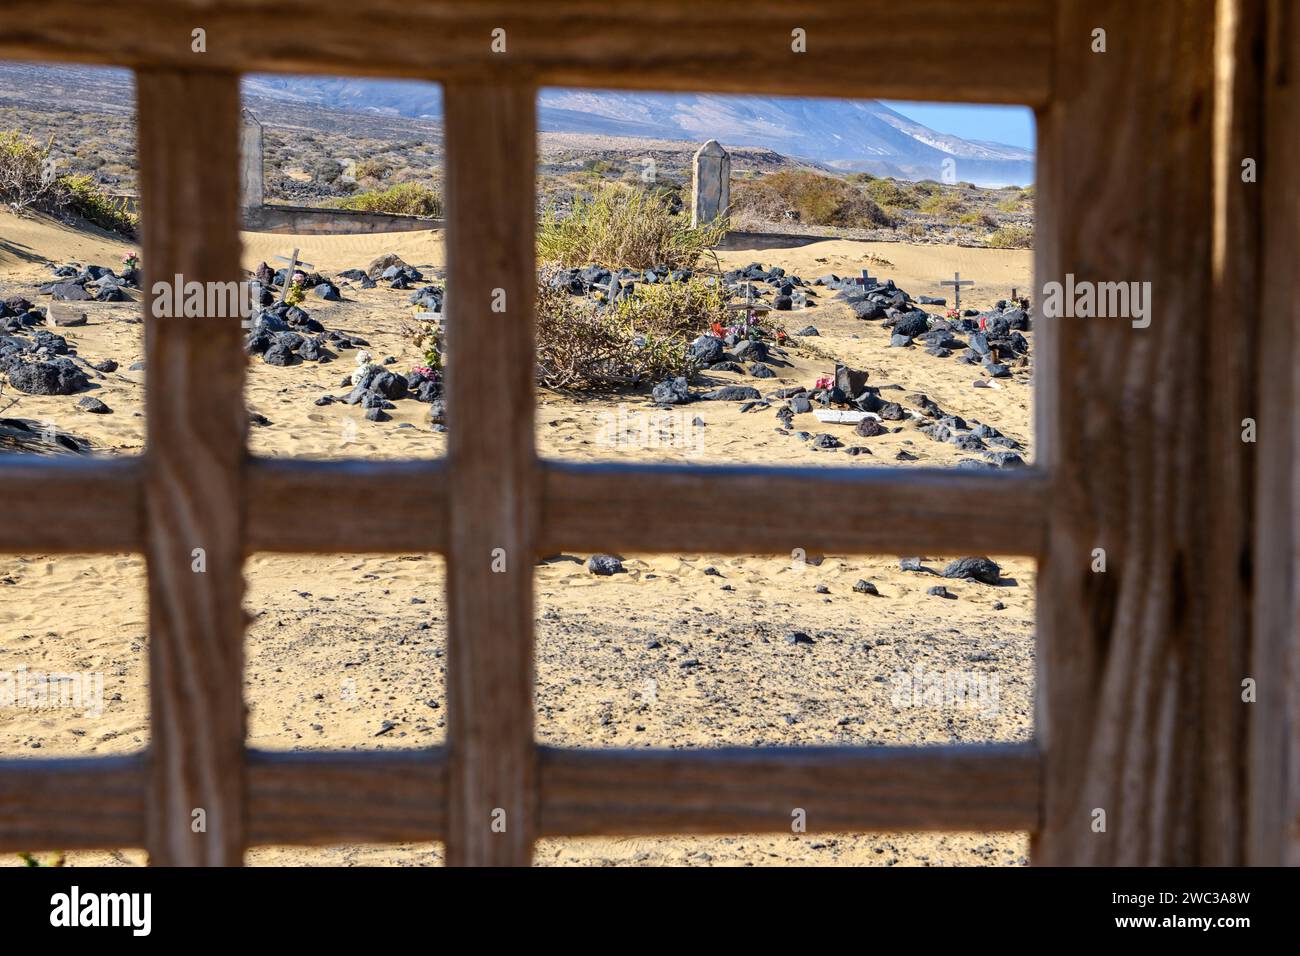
[
  {"x": 317, "y": 799},
  {"x": 296, "y": 798},
  {"x": 492, "y": 482},
  {"x": 193, "y": 460},
  {"x": 757, "y": 790},
  {"x": 72, "y": 505},
  {"x": 742, "y": 46},
  {"x": 1128, "y": 189},
  {"x": 1274, "y": 779},
  {"x": 674, "y": 508},
  {"x": 1231, "y": 371},
  {"x": 378, "y": 506},
  {"x": 64, "y": 804}
]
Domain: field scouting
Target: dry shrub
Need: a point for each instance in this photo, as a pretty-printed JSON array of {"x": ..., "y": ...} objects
[
  {"x": 978, "y": 218},
  {"x": 946, "y": 207},
  {"x": 642, "y": 338},
  {"x": 623, "y": 226},
  {"x": 371, "y": 168},
  {"x": 28, "y": 180},
  {"x": 1012, "y": 236},
  {"x": 819, "y": 200},
  {"x": 24, "y": 178},
  {"x": 887, "y": 192}
]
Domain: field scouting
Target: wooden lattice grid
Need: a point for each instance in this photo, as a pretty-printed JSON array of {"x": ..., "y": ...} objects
[{"x": 1138, "y": 668}]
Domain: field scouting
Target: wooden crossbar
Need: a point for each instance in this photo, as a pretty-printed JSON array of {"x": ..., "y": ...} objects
[{"x": 853, "y": 46}]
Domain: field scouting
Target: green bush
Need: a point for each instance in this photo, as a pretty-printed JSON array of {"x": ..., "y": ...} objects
[
  {"x": 623, "y": 226},
  {"x": 85, "y": 197},
  {"x": 403, "y": 199}
]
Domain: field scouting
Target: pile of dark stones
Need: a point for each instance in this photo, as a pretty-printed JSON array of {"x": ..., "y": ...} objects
[
  {"x": 286, "y": 335},
  {"x": 849, "y": 390},
  {"x": 996, "y": 449},
  {"x": 269, "y": 279},
  {"x": 608, "y": 286},
  {"x": 389, "y": 269},
  {"x": 90, "y": 284},
  {"x": 41, "y": 365},
  {"x": 17, "y": 315},
  {"x": 780, "y": 285},
  {"x": 375, "y": 389},
  {"x": 994, "y": 337},
  {"x": 429, "y": 298}
]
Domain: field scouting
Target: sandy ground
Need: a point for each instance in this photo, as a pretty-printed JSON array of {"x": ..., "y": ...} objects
[{"x": 347, "y": 651}]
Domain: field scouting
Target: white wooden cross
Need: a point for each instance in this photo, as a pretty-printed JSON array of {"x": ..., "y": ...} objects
[
  {"x": 293, "y": 267},
  {"x": 957, "y": 282},
  {"x": 867, "y": 279},
  {"x": 750, "y": 305}
]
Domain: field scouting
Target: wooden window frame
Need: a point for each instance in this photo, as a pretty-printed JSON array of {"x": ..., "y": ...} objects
[{"x": 1139, "y": 668}]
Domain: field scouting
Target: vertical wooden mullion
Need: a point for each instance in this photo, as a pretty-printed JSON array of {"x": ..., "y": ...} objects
[
  {"x": 1231, "y": 366},
  {"x": 196, "y": 422},
  {"x": 491, "y": 167},
  {"x": 1274, "y": 779},
  {"x": 1125, "y": 171}
]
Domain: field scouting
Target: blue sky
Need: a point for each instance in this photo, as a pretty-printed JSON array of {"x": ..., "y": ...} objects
[{"x": 1013, "y": 125}]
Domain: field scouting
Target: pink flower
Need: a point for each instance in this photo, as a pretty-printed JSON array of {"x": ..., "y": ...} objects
[{"x": 824, "y": 382}]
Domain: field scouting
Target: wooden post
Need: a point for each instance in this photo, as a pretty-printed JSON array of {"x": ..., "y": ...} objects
[
  {"x": 1119, "y": 692},
  {"x": 193, "y": 458},
  {"x": 493, "y": 482},
  {"x": 1273, "y": 838}
]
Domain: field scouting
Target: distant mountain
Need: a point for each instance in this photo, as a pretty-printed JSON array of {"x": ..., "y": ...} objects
[
  {"x": 848, "y": 135},
  {"x": 860, "y": 135}
]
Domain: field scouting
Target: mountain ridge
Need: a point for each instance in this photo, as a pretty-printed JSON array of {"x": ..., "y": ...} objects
[{"x": 850, "y": 135}]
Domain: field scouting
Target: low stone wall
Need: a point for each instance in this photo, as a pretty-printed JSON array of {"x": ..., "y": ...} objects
[{"x": 313, "y": 221}]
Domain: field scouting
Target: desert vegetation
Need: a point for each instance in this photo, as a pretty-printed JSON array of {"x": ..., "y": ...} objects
[
  {"x": 405, "y": 199},
  {"x": 808, "y": 197},
  {"x": 29, "y": 179},
  {"x": 623, "y": 226}
]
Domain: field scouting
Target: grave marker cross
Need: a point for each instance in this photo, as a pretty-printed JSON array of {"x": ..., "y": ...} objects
[
  {"x": 751, "y": 306},
  {"x": 957, "y": 282},
  {"x": 293, "y": 267}
]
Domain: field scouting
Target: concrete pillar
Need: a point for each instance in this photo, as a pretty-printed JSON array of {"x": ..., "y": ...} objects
[
  {"x": 712, "y": 183},
  {"x": 250, "y": 166}
]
